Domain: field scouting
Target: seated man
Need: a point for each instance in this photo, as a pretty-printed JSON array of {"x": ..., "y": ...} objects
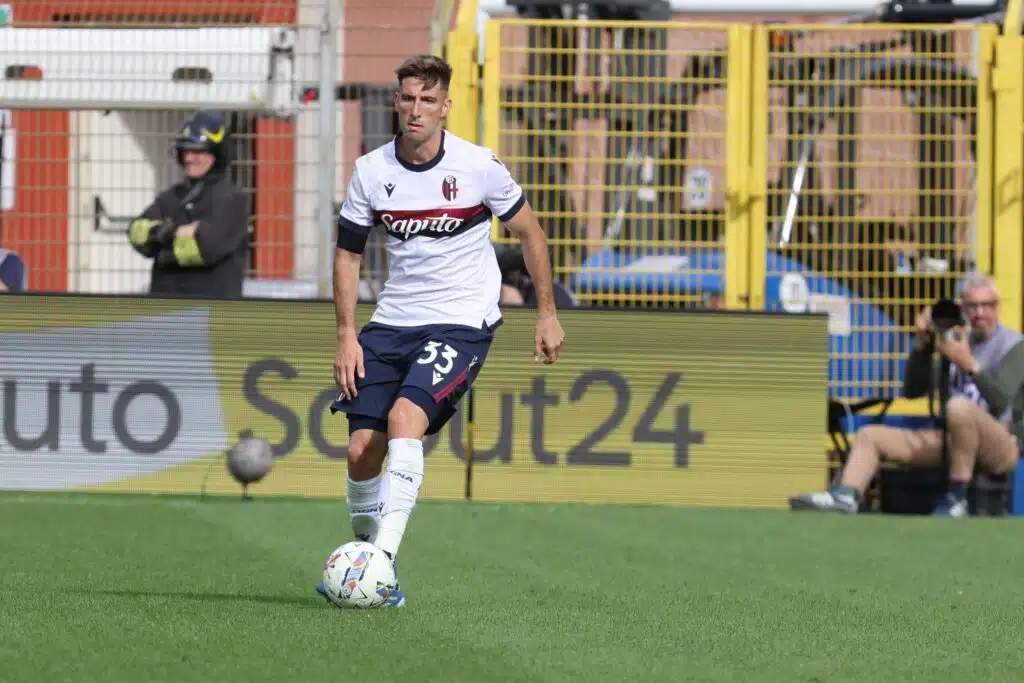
[{"x": 984, "y": 414}]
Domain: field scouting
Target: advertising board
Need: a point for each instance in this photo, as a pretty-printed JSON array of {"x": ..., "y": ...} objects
[{"x": 145, "y": 395}]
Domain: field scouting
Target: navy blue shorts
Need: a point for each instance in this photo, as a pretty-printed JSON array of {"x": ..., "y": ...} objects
[{"x": 431, "y": 365}]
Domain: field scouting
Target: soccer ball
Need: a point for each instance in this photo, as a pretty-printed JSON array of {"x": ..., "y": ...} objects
[
  {"x": 250, "y": 460},
  {"x": 359, "y": 575}
]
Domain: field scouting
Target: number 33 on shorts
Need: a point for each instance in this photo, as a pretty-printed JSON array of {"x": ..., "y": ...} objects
[{"x": 448, "y": 368}]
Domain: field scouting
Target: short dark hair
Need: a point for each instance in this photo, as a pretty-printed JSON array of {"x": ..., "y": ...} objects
[{"x": 427, "y": 68}]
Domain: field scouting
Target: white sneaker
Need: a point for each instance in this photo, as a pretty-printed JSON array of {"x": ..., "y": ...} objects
[
  {"x": 951, "y": 507},
  {"x": 824, "y": 501}
]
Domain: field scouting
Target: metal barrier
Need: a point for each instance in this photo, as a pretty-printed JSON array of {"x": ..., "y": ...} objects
[
  {"x": 618, "y": 133},
  {"x": 847, "y": 170},
  {"x": 871, "y": 146}
]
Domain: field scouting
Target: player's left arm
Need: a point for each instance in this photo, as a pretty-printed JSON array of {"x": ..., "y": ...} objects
[
  {"x": 526, "y": 228},
  {"x": 506, "y": 200}
]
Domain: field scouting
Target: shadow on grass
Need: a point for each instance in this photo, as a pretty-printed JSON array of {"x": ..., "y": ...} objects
[{"x": 312, "y": 602}]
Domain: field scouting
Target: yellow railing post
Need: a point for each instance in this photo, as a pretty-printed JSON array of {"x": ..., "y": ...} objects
[
  {"x": 757, "y": 172},
  {"x": 464, "y": 118},
  {"x": 737, "y": 113},
  {"x": 984, "y": 150},
  {"x": 1011, "y": 25},
  {"x": 1007, "y": 210},
  {"x": 491, "y": 111},
  {"x": 490, "y": 114},
  {"x": 1012, "y": 34}
]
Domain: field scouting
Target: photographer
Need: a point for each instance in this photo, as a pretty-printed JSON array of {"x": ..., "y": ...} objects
[{"x": 984, "y": 414}]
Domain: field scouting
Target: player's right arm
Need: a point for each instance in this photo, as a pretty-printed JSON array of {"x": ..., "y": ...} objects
[{"x": 355, "y": 221}]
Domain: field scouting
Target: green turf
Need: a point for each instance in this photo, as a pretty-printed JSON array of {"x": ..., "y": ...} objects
[{"x": 128, "y": 589}]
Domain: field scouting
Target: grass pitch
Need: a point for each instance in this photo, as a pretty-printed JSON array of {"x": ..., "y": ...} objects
[{"x": 123, "y": 589}]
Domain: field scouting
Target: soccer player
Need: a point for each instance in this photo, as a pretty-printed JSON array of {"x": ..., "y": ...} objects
[{"x": 403, "y": 374}]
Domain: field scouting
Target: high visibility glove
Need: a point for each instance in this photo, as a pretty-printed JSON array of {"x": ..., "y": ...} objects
[{"x": 141, "y": 231}]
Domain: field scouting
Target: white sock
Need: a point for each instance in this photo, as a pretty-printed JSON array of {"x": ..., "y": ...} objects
[
  {"x": 364, "y": 503},
  {"x": 404, "y": 475}
]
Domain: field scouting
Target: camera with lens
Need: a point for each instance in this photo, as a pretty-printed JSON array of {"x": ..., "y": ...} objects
[{"x": 947, "y": 315}]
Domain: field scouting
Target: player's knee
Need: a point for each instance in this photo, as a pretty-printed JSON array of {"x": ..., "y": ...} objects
[
  {"x": 407, "y": 420},
  {"x": 365, "y": 455}
]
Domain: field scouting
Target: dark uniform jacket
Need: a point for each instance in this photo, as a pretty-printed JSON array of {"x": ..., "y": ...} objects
[{"x": 215, "y": 265}]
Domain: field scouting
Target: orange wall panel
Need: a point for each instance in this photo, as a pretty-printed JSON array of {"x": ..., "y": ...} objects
[
  {"x": 206, "y": 12},
  {"x": 275, "y": 198},
  {"x": 37, "y": 226}
]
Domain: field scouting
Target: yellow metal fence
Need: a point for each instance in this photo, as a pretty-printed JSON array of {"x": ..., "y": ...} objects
[
  {"x": 870, "y": 146},
  {"x": 618, "y": 157},
  {"x": 850, "y": 170}
]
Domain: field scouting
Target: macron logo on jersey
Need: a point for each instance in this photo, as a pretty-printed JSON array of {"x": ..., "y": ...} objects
[{"x": 404, "y": 225}]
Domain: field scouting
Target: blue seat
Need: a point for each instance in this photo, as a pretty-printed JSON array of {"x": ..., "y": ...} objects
[
  {"x": 866, "y": 348},
  {"x": 13, "y": 272}
]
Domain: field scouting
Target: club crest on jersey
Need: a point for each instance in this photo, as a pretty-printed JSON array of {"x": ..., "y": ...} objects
[{"x": 449, "y": 188}]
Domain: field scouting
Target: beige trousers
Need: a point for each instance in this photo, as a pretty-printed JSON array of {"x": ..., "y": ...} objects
[{"x": 975, "y": 438}]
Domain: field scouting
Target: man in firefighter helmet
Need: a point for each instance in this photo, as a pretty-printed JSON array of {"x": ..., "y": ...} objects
[{"x": 197, "y": 231}]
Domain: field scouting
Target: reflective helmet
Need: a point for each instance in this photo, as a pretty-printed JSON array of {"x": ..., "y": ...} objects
[{"x": 204, "y": 131}]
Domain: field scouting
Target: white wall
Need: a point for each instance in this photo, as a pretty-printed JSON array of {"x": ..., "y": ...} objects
[{"x": 125, "y": 159}]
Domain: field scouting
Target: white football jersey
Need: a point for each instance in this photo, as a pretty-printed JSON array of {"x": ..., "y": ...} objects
[{"x": 442, "y": 269}]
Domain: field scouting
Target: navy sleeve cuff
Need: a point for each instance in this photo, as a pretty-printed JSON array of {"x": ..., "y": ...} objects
[
  {"x": 511, "y": 213},
  {"x": 352, "y": 236}
]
